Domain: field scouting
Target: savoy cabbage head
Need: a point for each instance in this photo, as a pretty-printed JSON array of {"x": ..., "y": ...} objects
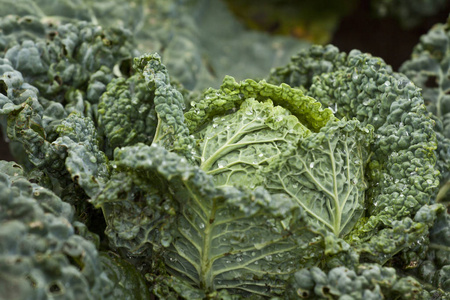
[{"x": 319, "y": 181}]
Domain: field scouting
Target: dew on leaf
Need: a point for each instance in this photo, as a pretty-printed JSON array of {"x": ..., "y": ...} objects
[{"x": 221, "y": 163}]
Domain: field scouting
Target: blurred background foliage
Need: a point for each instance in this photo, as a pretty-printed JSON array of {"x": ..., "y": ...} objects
[
  {"x": 384, "y": 28},
  {"x": 313, "y": 20},
  {"x": 317, "y": 20}
]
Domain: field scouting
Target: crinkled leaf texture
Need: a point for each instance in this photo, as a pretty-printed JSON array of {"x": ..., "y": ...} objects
[
  {"x": 171, "y": 130},
  {"x": 401, "y": 173},
  {"x": 87, "y": 165},
  {"x": 234, "y": 147},
  {"x": 435, "y": 268},
  {"x": 429, "y": 69},
  {"x": 58, "y": 58},
  {"x": 216, "y": 102},
  {"x": 126, "y": 112},
  {"x": 41, "y": 256},
  {"x": 325, "y": 175},
  {"x": 144, "y": 108},
  {"x": 213, "y": 237},
  {"x": 294, "y": 147},
  {"x": 367, "y": 281}
]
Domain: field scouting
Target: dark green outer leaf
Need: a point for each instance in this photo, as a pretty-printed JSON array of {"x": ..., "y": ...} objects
[
  {"x": 129, "y": 283},
  {"x": 367, "y": 281},
  {"x": 303, "y": 68},
  {"x": 41, "y": 257},
  {"x": 429, "y": 69},
  {"x": 126, "y": 112},
  {"x": 436, "y": 270},
  {"x": 67, "y": 57},
  {"x": 171, "y": 130},
  {"x": 199, "y": 53},
  {"x": 87, "y": 165}
]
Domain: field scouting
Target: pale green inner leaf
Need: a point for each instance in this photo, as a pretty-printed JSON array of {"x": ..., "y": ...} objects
[{"x": 234, "y": 147}]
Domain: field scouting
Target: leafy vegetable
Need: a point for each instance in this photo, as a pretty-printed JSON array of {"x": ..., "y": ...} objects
[
  {"x": 263, "y": 144},
  {"x": 217, "y": 238},
  {"x": 320, "y": 182}
]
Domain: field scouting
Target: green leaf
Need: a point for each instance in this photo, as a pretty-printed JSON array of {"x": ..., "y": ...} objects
[
  {"x": 325, "y": 175},
  {"x": 428, "y": 68},
  {"x": 168, "y": 287},
  {"x": 171, "y": 130},
  {"x": 234, "y": 147},
  {"x": 367, "y": 281},
  {"x": 129, "y": 284},
  {"x": 126, "y": 112},
  {"x": 401, "y": 172},
  {"x": 41, "y": 256},
  {"x": 215, "y": 237},
  {"x": 87, "y": 165}
]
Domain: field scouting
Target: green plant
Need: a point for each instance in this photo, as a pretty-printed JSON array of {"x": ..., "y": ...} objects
[{"x": 320, "y": 181}]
